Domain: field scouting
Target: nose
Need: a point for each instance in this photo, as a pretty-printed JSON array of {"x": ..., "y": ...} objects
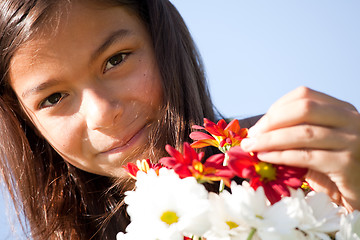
[{"x": 99, "y": 110}]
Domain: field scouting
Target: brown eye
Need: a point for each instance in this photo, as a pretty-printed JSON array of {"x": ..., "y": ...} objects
[
  {"x": 52, "y": 100},
  {"x": 115, "y": 60}
]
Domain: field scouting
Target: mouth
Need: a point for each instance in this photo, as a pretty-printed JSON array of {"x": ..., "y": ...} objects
[{"x": 122, "y": 146}]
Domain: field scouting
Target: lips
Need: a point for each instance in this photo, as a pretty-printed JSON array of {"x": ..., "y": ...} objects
[{"x": 127, "y": 142}]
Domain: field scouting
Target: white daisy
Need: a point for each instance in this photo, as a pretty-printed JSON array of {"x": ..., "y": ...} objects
[
  {"x": 167, "y": 207},
  {"x": 317, "y": 215},
  {"x": 225, "y": 226},
  {"x": 350, "y": 227},
  {"x": 236, "y": 215}
]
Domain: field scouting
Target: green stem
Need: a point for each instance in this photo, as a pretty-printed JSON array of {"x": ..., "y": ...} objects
[
  {"x": 252, "y": 233},
  {"x": 222, "y": 184},
  {"x": 226, "y": 158}
]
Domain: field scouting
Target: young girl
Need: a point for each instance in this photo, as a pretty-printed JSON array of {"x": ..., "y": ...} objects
[{"x": 87, "y": 86}]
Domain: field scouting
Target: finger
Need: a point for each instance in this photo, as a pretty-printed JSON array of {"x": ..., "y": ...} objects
[
  {"x": 302, "y": 94},
  {"x": 321, "y": 183},
  {"x": 327, "y": 162},
  {"x": 298, "y": 137},
  {"x": 307, "y": 93},
  {"x": 343, "y": 189},
  {"x": 305, "y": 111}
]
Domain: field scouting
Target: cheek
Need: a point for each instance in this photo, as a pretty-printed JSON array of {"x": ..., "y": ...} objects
[
  {"x": 63, "y": 134},
  {"x": 151, "y": 90},
  {"x": 153, "y": 95}
]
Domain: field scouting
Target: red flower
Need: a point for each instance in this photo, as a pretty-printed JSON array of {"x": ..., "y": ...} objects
[
  {"x": 223, "y": 135},
  {"x": 143, "y": 165},
  {"x": 275, "y": 179},
  {"x": 189, "y": 164}
]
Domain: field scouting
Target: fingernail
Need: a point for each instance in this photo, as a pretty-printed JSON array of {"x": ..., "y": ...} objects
[{"x": 247, "y": 144}]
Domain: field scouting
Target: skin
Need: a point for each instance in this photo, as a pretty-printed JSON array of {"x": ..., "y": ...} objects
[
  {"x": 323, "y": 135},
  {"x": 96, "y": 106},
  {"x": 102, "y": 106}
]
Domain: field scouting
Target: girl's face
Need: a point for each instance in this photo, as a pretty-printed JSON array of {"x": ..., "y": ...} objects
[{"x": 92, "y": 88}]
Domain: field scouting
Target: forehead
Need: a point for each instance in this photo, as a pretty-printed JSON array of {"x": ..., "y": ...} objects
[
  {"x": 79, "y": 29},
  {"x": 76, "y": 18}
]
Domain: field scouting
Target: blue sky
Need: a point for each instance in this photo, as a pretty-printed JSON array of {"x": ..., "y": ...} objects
[{"x": 255, "y": 51}]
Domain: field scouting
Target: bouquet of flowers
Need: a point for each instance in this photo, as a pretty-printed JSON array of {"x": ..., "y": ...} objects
[{"x": 171, "y": 202}]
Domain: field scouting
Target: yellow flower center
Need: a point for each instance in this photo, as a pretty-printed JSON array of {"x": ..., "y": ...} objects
[
  {"x": 266, "y": 171},
  {"x": 198, "y": 166},
  {"x": 305, "y": 186},
  {"x": 231, "y": 224},
  {"x": 169, "y": 217}
]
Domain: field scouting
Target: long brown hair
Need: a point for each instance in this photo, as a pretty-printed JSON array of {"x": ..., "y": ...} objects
[{"x": 58, "y": 200}]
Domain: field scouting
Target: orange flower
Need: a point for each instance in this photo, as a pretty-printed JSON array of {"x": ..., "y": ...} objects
[
  {"x": 275, "y": 179},
  {"x": 143, "y": 165},
  {"x": 223, "y": 135},
  {"x": 189, "y": 164}
]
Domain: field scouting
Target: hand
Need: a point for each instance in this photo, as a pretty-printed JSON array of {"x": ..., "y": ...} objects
[{"x": 306, "y": 128}]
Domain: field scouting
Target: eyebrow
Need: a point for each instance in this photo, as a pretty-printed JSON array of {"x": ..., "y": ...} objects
[
  {"x": 40, "y": 87},
  {"x": 109, "y": 40},
  {"x": 106, "y": 43}
]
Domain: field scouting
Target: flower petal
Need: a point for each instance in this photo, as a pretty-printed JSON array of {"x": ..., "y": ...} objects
[
  {"x": 216, "y": 159},
  {"x": 168, "y": 162},
  {"x": 200, "y": 136},
  {"x": 204, "y": 143},
  {"x": 174, "y": 153},
  {"x": 189, "y": 154},
  {"x": 233, "y": 126}
]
